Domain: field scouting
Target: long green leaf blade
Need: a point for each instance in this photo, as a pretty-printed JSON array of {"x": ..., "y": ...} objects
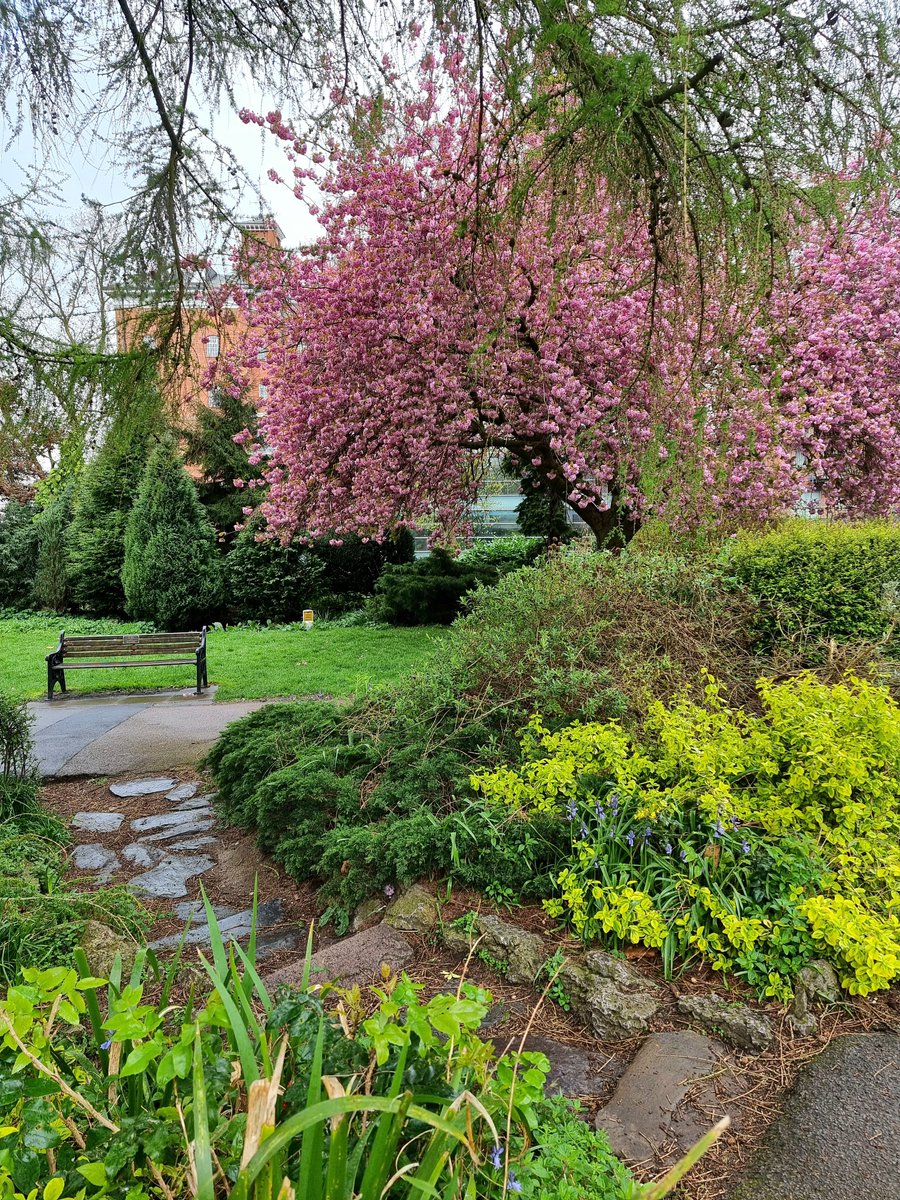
[{"x": 202, "y": 1148}]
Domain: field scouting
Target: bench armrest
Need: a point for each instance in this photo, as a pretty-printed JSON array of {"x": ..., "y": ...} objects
[{"x": 57, "y": 654}]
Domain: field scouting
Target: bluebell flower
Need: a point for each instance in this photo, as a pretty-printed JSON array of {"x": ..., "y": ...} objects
[
  {"x": 745, "y": 846},
  {"x": 646, "y": 835},
  {"x": 571, "y": 810},
  {"x": 512, "y": 1184},
  {"x": 600, "y": 811},
  {"x": 584, "y": 830},
  {"x": 497, "y": 1157},
  {"x": 611, "y": 834},
  {"x": 684, "y": 856},
  {"x": 630, "y": 837},
  {"x": 668, "y": 847},
  {"x": 614, "y": 801},
  {"x": 718, "y": 829},
  {"x": 735, "y": 824},
  {"x": 106, "y": 1045}
]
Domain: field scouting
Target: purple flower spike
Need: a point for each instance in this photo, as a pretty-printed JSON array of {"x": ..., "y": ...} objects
[
  {"x": 571, "y": 810},
  {"x": 630, "y": 837},
  {"x": 684, "y": 856},
  {"x": 735, "y": 824},
  {"x": 668, "y": 848},
  {"x": 745, "y": 846},
  {"x": 646, "y": 835},
  {"x": 584, "y": 830},
  {"x": 512, "y": 1184},
  {"x": 497, "y": 1157},
  {"x": 106, "y": 1045}
]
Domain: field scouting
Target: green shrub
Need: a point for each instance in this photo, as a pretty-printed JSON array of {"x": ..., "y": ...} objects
[
  {"x": 506, "y": 553},
  {"x": 266, "y": 581},
  {"x": 324, "y": 787},
  {"x": 817, "y": 579},
  {"x": 18, "y": 554},
  {"x": 353, "y": 566},
  {"x": 15, "y": 737},
  {"x": 172, "y": 573},
  {"x": 429, "y": 591},
  {"x": 744, "y": 838}
]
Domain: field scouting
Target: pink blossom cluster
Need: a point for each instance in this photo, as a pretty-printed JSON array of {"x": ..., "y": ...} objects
[{"x": 436, "y": 325}]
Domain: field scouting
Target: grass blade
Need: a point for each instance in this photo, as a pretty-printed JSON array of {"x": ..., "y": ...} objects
[
  {"x": 259, "y": 987},
  {"x": 309, "y": 1184},
  {"x": 220, "y": 958},
  {"x": 238, "y": 1034},
  {"x": 203, "y": 1168},
  {"x": 672, "y": 1178}
]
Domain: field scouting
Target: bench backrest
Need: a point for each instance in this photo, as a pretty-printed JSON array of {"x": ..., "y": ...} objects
[{"x": 130, "y": 645}]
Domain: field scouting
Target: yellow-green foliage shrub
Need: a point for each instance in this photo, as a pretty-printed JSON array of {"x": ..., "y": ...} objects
[
  {"x": 753, "y": 839},
  {"x": 822, "y": 579}
]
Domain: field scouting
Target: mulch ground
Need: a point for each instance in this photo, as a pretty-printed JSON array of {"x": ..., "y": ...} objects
[{"x": 754, "y": 1092}]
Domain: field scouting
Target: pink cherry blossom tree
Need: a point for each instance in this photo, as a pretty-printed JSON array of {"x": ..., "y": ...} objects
[{"x": 446, "y": 317}]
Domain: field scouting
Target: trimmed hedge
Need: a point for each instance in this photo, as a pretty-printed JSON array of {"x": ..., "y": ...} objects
[{"x": 818, "y": 580}]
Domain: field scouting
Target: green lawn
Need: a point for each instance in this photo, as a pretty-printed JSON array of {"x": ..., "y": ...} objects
[{"x": 245, "y": 663}]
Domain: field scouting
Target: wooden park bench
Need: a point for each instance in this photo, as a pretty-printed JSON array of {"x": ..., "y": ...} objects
[{"x": 99, "y": 652}]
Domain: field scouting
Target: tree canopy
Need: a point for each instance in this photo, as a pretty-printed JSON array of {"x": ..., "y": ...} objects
[{"x": 626, "y": 373}]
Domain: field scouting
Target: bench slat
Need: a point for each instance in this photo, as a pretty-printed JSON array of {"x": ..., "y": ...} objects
[
  {"x": 142, "y": 662},
  {"x": 157, "y": 639},
  {"x": 124, "y": 651}
]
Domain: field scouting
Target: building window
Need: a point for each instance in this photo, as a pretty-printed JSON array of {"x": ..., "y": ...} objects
[
  {"x": 263, "y": 391},
  {"x": 262, "y": 354},
  {"x": 213, "y": 398},
  {"x": 212, "y": 346}
]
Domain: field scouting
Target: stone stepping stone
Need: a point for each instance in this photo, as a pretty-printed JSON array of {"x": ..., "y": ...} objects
[
  {"x": 649, "y": 1111},
  {"x": 94, "y": 822},
  {"x": 93, "y": 857},
  {"x": 354, "y": 960},
  {"x": 233, "y": 926},
  {"x": 161, "y": 820},
  {"x": 168, "y": 880},
  {"x": 838, "y": 1137},
  {"x": 187, "y": 829},
  {"x": 184, "y": 791},
  {"x": 194, "y": 803},
  {"x": 143, "y": 856},
  {"x": 193, "y": 910},
  {"x": 574, "y": 1071},
  {"x": 196, "y": 843},
  {"x": 141, "y": 787}
]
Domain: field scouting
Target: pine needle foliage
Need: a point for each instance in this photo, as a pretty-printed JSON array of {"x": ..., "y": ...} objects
[{"x": 172, "y": 574}]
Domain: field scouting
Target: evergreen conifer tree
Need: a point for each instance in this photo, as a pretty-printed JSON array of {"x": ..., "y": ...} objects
[
  {"x": 103, "y": 500},
  {"x": 172, "y": 574},
  {"x": 51, "y": 590},
  {"x": 209, "y": 444}
]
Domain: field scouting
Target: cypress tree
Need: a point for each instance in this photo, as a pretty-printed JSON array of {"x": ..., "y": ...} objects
[
  {"x": 172, "y": 574},
  {"x": 51, "y": 589},
  {"x": 103, "y": 500}
]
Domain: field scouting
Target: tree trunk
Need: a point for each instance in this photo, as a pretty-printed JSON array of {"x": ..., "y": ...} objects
[{"x": 611, "y": 527}]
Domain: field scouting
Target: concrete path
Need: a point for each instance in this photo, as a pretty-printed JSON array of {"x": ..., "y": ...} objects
[
  {"x": 117, "y": 735},
  {"x": 839, "y": 1135}
]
